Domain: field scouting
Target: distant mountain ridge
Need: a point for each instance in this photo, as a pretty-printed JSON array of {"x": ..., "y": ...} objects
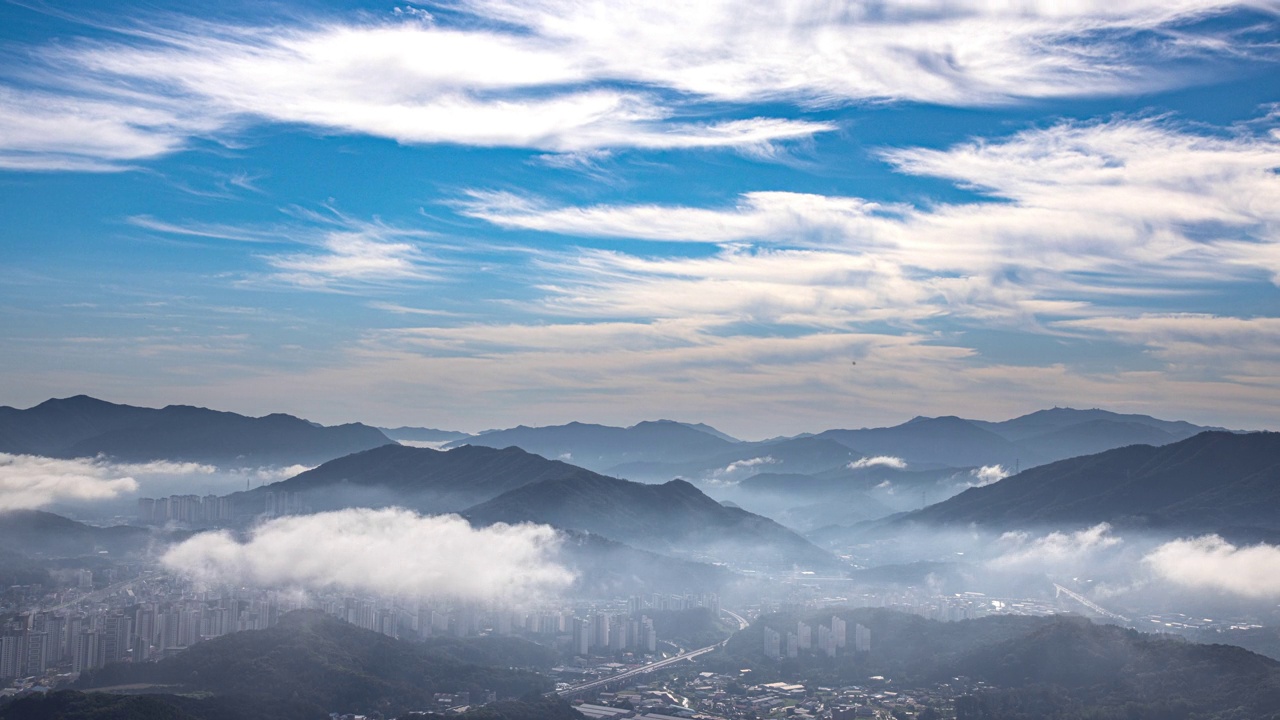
[
  {"x": 83, "y": 426},
  {"x": 1213, "y": 481},
  {"x": 601, "y": 447},
  {"x": 661, "y": 450}
]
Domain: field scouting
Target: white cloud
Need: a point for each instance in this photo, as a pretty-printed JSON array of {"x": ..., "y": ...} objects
[
  {"x": 1086, "y": 215},
  {"x": 725, "y": 475},
  {"x": 1211, "y": 563},
  {"x": 546, "y": 75},
  {"x": 879, "y": 460},
  {"x": 345, "y": 257},
  {"x": 340, "y": 252},
  {"x": 391, "y": 552},
  {"x": 28, "y": 482},
  {"x": 988, "y": 474},
  {"x": 1055, "y": 552}
]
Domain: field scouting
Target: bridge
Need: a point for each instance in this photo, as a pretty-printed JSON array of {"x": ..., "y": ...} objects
[{"x": 1088, "y": 603}]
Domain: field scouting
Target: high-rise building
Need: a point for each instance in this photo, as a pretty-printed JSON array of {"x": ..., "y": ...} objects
[
  {"x": 581, "y": 636},
  {"x": 861, "y": 638},
  {"x": 35, "y": 653},
  {"x": 10, "y": 654},
  {"x": 115, "y": 645},
  {"x": 87, "y": 655},
  {"x": 838, "y": 631},
  {"x": 600, "y": 631},
  {"x": 804, "y": 634},
  {"x": 772, "y": 643}
]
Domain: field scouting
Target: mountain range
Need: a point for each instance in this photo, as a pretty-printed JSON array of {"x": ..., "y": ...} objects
[
  {"x": 602, "y": 447},
  {"x": 82, "y": 426},
  {"x": 1213, "y": 482},
  {"x": 489, "y": 485},
  {"x": 662, "y": 450}
]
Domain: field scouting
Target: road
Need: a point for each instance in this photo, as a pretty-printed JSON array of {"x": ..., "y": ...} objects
[
  {"x": 1089, "y": 603},
  {"x": 593, "y": 684},
  {"x": 104, "y": 593},
  {"x": 742, "y": 622}
]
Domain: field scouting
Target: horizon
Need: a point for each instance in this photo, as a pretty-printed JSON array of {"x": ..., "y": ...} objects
[{"x": 630, "y": 424}]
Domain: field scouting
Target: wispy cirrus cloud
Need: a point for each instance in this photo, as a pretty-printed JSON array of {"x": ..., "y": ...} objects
[
  {"x": 1079, "y": 211},
  {"x": 574, "y": 77},
  {"x": 321, "y": 250}
]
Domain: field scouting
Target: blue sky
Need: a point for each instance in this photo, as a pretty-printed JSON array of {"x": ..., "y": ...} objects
[{"x": 479, "y": 213}]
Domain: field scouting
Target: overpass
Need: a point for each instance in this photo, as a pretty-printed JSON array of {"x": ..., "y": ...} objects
[{"x": 623, "y": 677}]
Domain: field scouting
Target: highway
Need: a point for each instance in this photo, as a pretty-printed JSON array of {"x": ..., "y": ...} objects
[
  {"x": 1089, "y": 603},
  {"x": 645, "y": 669},
  {"x": 104, "y": 593}
]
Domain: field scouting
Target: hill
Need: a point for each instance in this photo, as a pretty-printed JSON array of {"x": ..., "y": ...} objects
[
  {"x": 602, "y": 447},
  {"x": 608, "y": 568},
  {"x": 674, "y": 517},
  {"x": 423, "y": 435},
  {"x": 311, "y": 664},
  {"x": 1214, "y": 481},
  {"x": 422, "y": 479},
  {"x": 82, "y": 426},
  {"x": 41, "y": 535}
]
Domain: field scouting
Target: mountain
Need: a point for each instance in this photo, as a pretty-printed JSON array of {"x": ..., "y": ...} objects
[
  {"x": 792, "y": 455},
  {"x": 423, "y": 435},
  {"x": 674, "y": 517},
  {"x": 1034, "y": 439},
  {"x": 82, "y": 426},
  {"x": 311, "y": 664},
  {"x": 1043, "y": 422},
  {"x": 422, "y": 479},
  {"x": 42, "y": 534},
  {"x": 608, "y": 568},
  {"x": 601, "y": 447},
  {"x": 1214, "y": 481},
  {"x": 948, "y": 441}
]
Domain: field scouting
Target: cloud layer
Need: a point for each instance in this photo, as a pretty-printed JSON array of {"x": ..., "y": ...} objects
[
  {"x": 391, "y": 552},
  {"x": 1211, "y": 563},
  {"x": 28, "y": 482}
]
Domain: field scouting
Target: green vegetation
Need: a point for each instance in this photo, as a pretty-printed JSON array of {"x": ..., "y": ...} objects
[
  {"x": 692, "y": 628},
  {"x": 311, "y": 664}
]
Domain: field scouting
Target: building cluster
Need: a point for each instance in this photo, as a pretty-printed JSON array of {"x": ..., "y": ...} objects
[
  {"x": 186, "y": 509},
  {"x": 281, "y": 502},
  {"x": 733, "y": 696},
  {"x": 829, "y": 639},
  {"x": 602, "y": 633}
]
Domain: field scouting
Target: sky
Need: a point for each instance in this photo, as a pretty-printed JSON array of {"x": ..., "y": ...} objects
[{"x": 774, "y": 217}]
